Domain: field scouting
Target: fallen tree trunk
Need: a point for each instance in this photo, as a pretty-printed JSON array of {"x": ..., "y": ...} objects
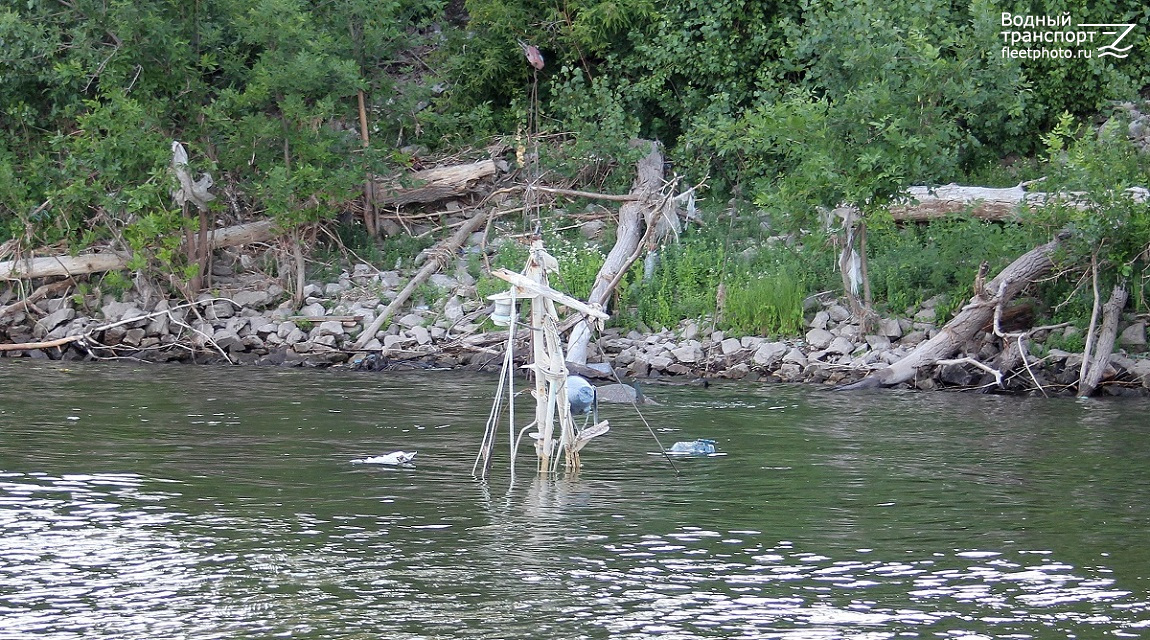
[
  {"x": 430, "y": 185},
  {"x": 62, "y": 265},
  {"x": 924, "y": 204},
  {"x": 46, "y": 267},
  {"x": 635, "y": 216},
  {"x": 971, "y": 319}
]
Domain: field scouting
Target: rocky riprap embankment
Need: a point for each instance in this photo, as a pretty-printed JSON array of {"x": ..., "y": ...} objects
[{"x": 250, "y": 320}]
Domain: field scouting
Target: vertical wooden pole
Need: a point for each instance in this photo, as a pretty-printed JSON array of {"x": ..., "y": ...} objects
[
  {"x": 542, "y": 393},
  {"x": 369, "y": 218}
]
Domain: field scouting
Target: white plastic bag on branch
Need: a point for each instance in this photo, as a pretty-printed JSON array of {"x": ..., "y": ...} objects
[{"x": 194, "y": 192}]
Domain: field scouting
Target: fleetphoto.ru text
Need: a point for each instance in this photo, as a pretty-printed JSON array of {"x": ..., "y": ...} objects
[{"x": 1058, "y": 37}]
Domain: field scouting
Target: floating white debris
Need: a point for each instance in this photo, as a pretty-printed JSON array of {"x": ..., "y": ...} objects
[
  {"x": 393, "y": 458},
  {"x": 698, "y": 447}
]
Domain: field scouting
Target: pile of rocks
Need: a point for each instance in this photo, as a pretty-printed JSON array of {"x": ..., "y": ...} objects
[{"x": 253, "y": 321}]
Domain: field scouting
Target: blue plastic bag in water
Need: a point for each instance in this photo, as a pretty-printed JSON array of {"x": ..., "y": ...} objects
[{"x": 698, "y": 447}]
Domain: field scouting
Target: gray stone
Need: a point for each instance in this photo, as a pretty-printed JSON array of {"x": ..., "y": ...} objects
[
  {"x": 1140, "y": 369},
  {"x": 878, "y": 342},
  {"x": 849, "y": 331},
  {"x": 617, "y": 394},
  {"x": 820, "y": 320},
  {"x": 838, "y": 313},
  {"x": 730, "y": 346},
  {"x": 252, "y": 299},
  {"x": 229, "y": 341},
  {"x": 389, "y": 279},
  {"x": 295, "y": 336},
  {"x": 690, "y": 330},
  {"x": 868, "y": 357},
  {"x": 263, "y": 325},
  {"x": 659, "y": 362},
  {"x": 956, "y": 374},
  {"x": 133, "y": 337},
  {"x": 791, "y": 372},
  {"x": 330, "y": 328},
  {"x": 286, "y": 328},
  {"x": 891, "y": 357},
  {"x": 220, "y": 310},
  {"x": 443, "y": 281},
  {"x": 1134, "y": 335},
  {"x": 841, "y": 346},
  {"x": 912, "y": 339},
  {"x": 926, "y": 315},
  {"x": 421, "y": 334},
  {"x": 52, "y": 305},
  {"x": 159, "y": 324},
  {"x": 625, "y": 357},
  {"x": 819, "y": 338},
  {"x": 313, "y": 310},
  {"x": 453, "y": 308},
  {"x": 592, "y": 229},
  {"x": 238, "y": 325},
  {"x": 770, "y": 353},
  {"x": 312, "y": 290},
  {"x": 689, "y": 353},
  {"x": 795, "y": 356},
  {"x": 114, "y": 311},
  {"x": 751, "y": 343},
  {"x": 325, "y": 341},
  {"x": 53, "y": 320},
  {"x": 390, "y": 341},
  {"x": 738, "y": 371},
  {"x": 411, "y": 320}
]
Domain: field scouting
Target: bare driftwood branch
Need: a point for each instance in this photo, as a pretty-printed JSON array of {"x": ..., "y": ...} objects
[
  {"x": 634, "y": 216},
  {"x": 439, "y": 257},
  {"x": 1107, "y": 333},
  {"x": 971, "y": 361},
  {"x": 627, "y": 197}
]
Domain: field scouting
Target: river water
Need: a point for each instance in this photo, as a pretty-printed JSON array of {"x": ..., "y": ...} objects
[{"x": 144, "y": 501}]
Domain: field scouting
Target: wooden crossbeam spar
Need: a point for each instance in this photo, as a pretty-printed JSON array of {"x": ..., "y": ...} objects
[{"x": 538, "y": 289}]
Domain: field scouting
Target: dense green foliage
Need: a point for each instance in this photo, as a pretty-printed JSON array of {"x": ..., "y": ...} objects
[
  {"x": 787, "y": 107},
  {"x": 264, "y": 93}
]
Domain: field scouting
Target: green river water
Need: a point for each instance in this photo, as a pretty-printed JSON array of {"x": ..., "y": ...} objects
[{"x": 143, "y": 502}]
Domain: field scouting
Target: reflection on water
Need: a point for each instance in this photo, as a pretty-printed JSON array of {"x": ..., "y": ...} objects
[{"x": 159, "y": 505}]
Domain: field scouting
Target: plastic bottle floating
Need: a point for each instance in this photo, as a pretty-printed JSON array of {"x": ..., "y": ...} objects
[
  {"x": 394, "y": 458},
  {"x": 700, "y": 447}
]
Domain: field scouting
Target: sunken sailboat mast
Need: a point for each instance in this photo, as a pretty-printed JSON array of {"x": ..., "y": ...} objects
[{"x": 556, "y": 433}]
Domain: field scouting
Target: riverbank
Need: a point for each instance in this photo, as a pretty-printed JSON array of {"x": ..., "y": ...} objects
[{"x": 250, "y": 320}]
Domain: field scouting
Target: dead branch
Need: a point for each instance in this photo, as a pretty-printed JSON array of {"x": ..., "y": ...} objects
[{"x": 439, "y": 257}]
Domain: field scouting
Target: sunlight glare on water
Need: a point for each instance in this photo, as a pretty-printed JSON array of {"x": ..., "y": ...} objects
[{"x": 164, "y": 502}]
